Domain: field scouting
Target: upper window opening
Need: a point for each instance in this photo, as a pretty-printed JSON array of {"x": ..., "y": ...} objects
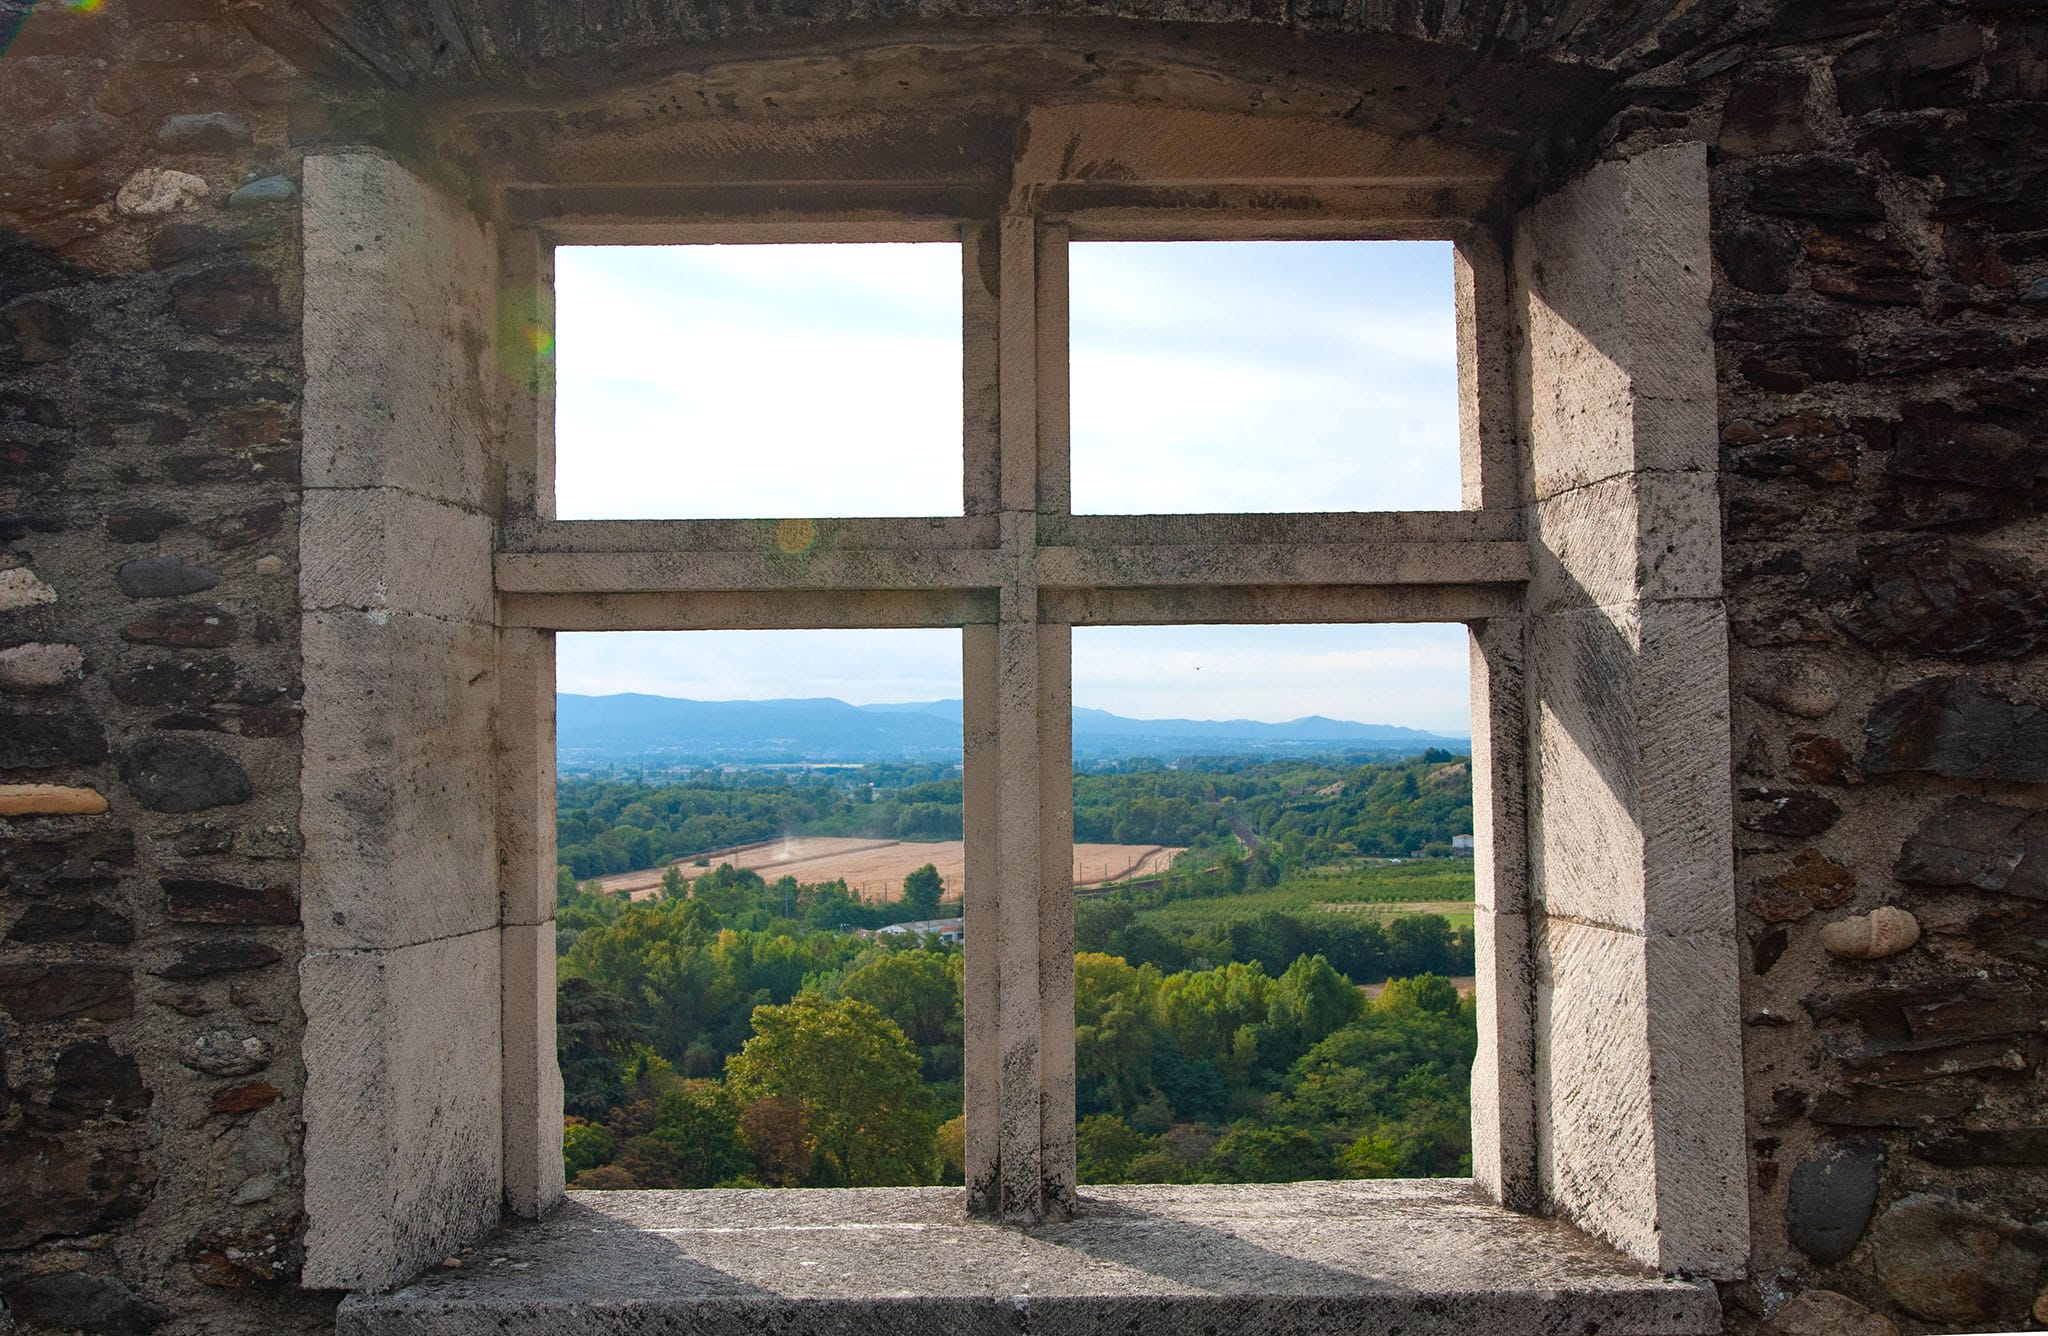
[
  {"x": 1263, "y": 376},
  {"x": 739, "y": 381}
]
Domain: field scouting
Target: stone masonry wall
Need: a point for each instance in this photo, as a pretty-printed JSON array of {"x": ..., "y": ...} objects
[
  {"x": 1880, "y": 256},
  {"x": 1881, "y": 250},
  {"x": 149, "y": 921}
]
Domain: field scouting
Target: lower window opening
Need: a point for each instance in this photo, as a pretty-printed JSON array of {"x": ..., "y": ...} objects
[{"x": 1290, "y": 997}]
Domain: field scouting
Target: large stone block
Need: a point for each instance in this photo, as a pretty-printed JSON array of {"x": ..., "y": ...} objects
[
  {"x": 399, "y": 797},
  {"x": 1639, "y": 1080},
  {"x": 1503, "y": 1069},
  {"x": 1619, "y": 356},
  {"x": 381, "y": 548},
  {"x": 1631, "y": 818},
  {"x": 400, "y": 287},
  {"x": 403, "y": 1106},
  {"x": 533, "y": 1078},
  {"x": 1639, "y": 536}
]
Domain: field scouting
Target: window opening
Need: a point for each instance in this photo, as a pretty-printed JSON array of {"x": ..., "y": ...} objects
[
  {"x": 739, "y": 381},
  {"x": 758, "y": 909},
  {"x": 1290, "y": 996},
  {"x": 1263, "y": 376}
]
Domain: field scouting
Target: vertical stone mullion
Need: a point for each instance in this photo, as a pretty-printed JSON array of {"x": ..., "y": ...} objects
[
  {"x": 1055, "y": 917},
  {"x": 1016, "y": 724}
]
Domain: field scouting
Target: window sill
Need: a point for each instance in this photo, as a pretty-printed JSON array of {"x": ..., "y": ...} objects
[{"x": 1417, "y": 1257}]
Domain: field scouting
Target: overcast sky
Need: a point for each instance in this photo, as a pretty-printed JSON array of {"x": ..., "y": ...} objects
[{"x": 739, "y": 381}]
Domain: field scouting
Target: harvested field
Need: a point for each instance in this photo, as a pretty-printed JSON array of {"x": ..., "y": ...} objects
[{"x": 874, "y": 869}]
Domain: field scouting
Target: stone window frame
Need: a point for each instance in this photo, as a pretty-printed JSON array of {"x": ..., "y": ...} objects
[{"x": 1586, "y": 563}]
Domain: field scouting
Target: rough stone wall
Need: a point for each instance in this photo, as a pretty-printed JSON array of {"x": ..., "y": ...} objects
[
  {"x": 149, "y": 921},
  {"x": 1880, "y": 279},
  {"x": 1881, "y": 249}
]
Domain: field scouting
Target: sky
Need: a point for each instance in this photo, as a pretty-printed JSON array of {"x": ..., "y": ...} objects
[{"x": 748, "y": 381}]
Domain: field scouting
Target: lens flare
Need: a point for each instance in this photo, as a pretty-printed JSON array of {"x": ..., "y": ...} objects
[
  {"x": 793, "y": 536},
  {"x": 84, "y": 6}
]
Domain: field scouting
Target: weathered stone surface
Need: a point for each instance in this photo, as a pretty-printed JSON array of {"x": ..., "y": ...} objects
[
  {"x": 81, "y": 1301},
  {"x": 263, "y": 192},
  {"x": 169, "y": 774},
  {"x": 2011, "y": 1146},
  {"x": 78, "y": 861},
  {"x": 1767, "y": 115},
  {"x": 1817, "y": 760},
  {"x": 1817, "y": 186},
  {"x": 1952, "y": 726},
  {"x": 141, "y": 524},
  {"x": 1825, "y": 1313},
  {"x": 51, "y": 1188},
  {"x": 2016, "y": 932},
  {"x": 1818, "y": 879},
  {"x": 66, "y": 145},
  {"x": 43, "y": 741},
  {"x": 1797, "y": 688},
  {"x": 1936, "y": 442},
  {"x": 250, "y": 1163},
  {"x": 1889, "y": 1106},
  {"x": 39, "y": 667},
  {"x": 245, "y": 1098},
  {"x": 188, "y": 627},
  {"x": 204, "y": 900},
  {"x": 200, "y": 681},
  {"x": 398, "y": 763},
  {"x": 225, "y": 1053},
  {"x": 1796, "y": 813},
  {"x": 34, "y": 331},
  {"x": 85, "y": 921},
  {"x": 1963, "y": 1007},
  {"x": 35, "y": 990},
  {"x": 198, "y": 959},
  {"x": 1150, "y": 1260},
  {"x": 249, "y": 526},
  {"x": 240, "y": 1259},
  {"x": 163, "y": 577},
  {"x": 155, "y": 191},
  {"x": 401, "y": 1038},
  {"x": 234, "y": 299},
  {"x": 1884, "y": 931},
  {"x": 21, "y": 588},
  {"x": 1830, "y": 1199},
  {"x": 49, "y": 800},
  {"x": 92, "y": 1080},
  {"x": 202, "y": 132},
  {"x": 1947, "y": 1262},
  {"x": 1970, "y": 842},
  {"x": 1932, "y": 596}
]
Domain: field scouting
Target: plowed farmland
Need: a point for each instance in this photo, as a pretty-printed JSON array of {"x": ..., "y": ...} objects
[{"x": 874, "y": 869}]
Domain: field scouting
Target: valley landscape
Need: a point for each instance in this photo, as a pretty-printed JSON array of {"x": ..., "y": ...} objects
[{"x": 1272, "y": 931}]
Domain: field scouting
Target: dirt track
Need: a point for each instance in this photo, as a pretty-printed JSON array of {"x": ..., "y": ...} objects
[{"x": 875, "y": 869}]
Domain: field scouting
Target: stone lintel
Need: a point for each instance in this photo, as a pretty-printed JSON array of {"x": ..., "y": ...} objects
[{"x": 1427, "y": 1258}]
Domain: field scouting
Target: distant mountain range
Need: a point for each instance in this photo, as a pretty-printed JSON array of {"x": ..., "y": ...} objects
[{"x": 664, "y": 730}]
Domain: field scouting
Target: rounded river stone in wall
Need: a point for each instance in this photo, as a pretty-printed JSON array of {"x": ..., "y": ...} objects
[
  {"x": 183, "y": 775},
  {"x": 1830, "y": 1200},
  {"x": 163, "y": 577}
]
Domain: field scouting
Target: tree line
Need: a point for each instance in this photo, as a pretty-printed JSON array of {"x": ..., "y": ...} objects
[
  {"x": 720, "y": 1035},
  {"x": 1307, "y": 811}
]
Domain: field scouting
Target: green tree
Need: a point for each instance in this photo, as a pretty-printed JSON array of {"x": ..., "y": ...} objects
[
  {"x": 585, "y": 1145},
  {"x": 1249, "y": 1154},
  {"x": 921, "y": 892},
  {"x": 673, "y": 887},
  {"x": 857, "y": 1078},
  {"x": 920, "y": 992}
]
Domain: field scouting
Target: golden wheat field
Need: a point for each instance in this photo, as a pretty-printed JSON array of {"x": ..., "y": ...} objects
[{"x": 875, "y": 869}]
